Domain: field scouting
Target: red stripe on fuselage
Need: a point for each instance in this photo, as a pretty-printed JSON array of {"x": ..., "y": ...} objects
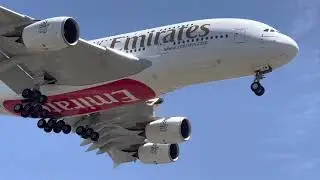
[{"x": 94, "y": 99}]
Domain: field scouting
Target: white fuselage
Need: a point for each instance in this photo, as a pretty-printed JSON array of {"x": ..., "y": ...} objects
[
  {"x": 194, "y": 52},
  {"x": 202, "y": 51}
]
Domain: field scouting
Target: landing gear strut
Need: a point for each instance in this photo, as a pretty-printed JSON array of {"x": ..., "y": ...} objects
[
  {"x": 31, "y": 106},
  {"x": 87, "y": 132},
  {"x": 256, "y": 86}
]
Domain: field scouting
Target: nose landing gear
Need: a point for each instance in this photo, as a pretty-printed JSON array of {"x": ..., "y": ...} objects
[{"x": 256, "y": 86}]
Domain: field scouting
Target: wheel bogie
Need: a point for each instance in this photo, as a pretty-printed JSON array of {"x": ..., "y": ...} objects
[
  {"x": 32, "y": 104},
  {"x": 87, "y": 133}
]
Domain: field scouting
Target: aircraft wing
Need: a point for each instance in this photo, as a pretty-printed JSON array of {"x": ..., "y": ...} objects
[
  {"x": 83, "y": 64},
  {"x": 121, "y": 130}
]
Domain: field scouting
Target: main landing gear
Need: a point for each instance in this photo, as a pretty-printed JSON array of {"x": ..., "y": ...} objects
[
  {"x": 87, "y": 132},
  {"x": 31, "y": 106},
  {"x": 256, "y": 86},
  {"x": 54, "y": 125}
]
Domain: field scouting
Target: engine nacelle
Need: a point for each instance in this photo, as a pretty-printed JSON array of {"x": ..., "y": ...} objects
[
  {"x": 51, "y": 34},
  {"x": 168, "y": 130},
  {"x": 151, "y": 153}
]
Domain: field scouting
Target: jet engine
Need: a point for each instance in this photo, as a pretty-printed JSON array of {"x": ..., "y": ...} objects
[
  {"x": 51, "y": 34},
  {"x": 168, "y": 130},
  {"x": 151, "y": 153}
]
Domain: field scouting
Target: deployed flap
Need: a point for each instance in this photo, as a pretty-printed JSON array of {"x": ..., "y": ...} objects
[{"x": 120, "y": 130}]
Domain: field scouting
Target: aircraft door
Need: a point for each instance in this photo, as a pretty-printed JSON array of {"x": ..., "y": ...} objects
[{"x": 240, "y": 36}]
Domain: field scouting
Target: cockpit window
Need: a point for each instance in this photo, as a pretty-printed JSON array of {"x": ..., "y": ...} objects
[{"x": 270, "y": 30}]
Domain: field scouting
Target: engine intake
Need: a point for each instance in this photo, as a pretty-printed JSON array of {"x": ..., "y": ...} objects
[
  {"x": 168, "y": 130},
  {"x": 51, "y": 34},
  {"x": 151, "y": 153},
  {"x": 70, "y": 31}
]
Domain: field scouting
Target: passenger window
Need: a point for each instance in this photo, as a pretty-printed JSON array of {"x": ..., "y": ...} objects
[
  {"x": 272, "y": 30},
  {"x": 266, "y": 30}
]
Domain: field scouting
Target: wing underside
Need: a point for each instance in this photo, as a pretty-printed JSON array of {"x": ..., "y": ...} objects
[{"x": 83, "y": 64}]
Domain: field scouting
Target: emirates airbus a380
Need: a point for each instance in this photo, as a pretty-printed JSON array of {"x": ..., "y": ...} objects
[{"x": 106, "y": 90}]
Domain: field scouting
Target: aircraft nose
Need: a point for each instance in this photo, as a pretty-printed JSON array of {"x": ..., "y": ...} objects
[{"x": 291, "y": 47}]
